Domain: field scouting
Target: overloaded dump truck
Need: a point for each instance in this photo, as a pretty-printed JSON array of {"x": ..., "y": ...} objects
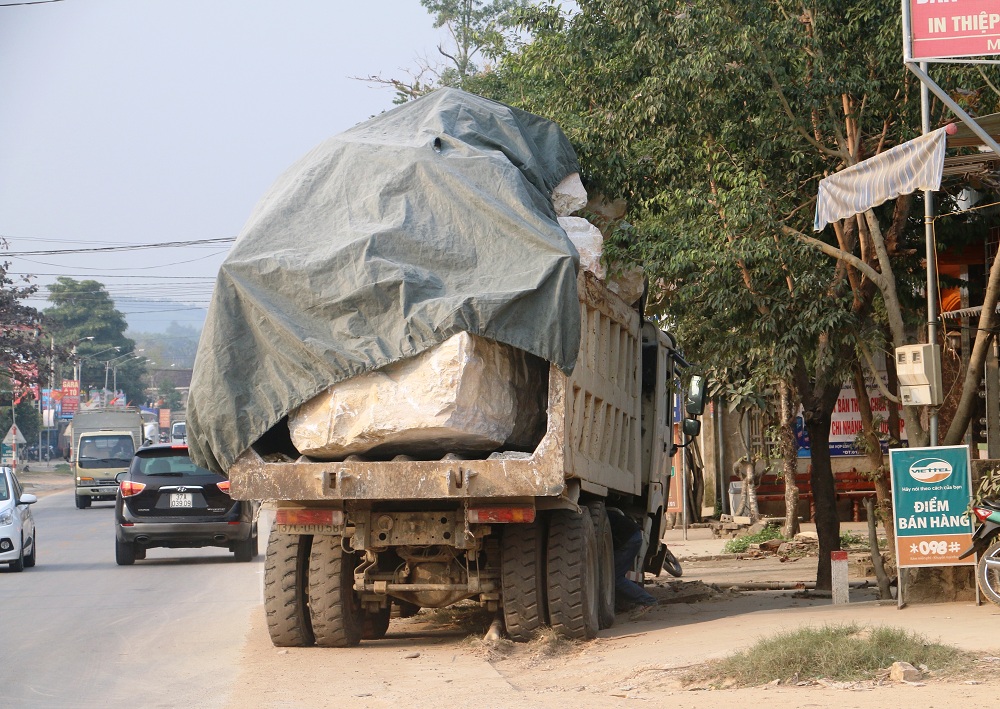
[
  {"x": 104, "y": 441},
  {"x": 437, "y": 388}
]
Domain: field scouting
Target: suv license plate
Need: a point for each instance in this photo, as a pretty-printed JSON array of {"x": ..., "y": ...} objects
[{"x": 180, "y": 499}]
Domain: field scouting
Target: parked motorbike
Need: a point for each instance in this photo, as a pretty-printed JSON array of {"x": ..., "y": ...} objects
[{"x": 986, "y": 544}]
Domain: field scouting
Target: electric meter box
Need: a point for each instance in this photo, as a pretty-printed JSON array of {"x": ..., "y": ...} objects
[{"x": 918, "y": 368}]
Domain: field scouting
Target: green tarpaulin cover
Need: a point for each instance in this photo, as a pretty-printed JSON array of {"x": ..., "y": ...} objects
[{"x": 430, "y": 219}]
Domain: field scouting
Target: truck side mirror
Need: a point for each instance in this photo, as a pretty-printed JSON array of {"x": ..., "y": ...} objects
[
  {"x": 694, "y": 400},
  {"x": 691, "y": 427}
]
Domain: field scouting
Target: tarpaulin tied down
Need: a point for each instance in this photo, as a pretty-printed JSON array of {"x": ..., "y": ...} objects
[{"x": 428, "y": 220}]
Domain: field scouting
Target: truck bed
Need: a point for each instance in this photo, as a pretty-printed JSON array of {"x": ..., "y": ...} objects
[{"x": 592, "y": 436}]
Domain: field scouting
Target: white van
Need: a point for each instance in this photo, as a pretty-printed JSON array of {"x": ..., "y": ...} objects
[{"x": 178, "y": 432}]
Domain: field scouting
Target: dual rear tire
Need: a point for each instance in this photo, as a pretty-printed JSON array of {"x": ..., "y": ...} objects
[
  {"x": 559, "y": 571},
  {"x": 309, "y": 594}
]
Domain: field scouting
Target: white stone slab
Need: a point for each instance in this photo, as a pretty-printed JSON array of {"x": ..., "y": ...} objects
[{"x": 461, "y": 395}]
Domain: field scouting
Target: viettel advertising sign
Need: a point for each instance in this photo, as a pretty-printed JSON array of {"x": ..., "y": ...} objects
[
  {"x": 954, "y": 28},
  {"x": 931, "y": 491}
]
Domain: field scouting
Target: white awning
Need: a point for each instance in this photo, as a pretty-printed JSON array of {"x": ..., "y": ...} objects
[
  {"x": 915, "y": 165},
  {"x": 973, "y": 312}
]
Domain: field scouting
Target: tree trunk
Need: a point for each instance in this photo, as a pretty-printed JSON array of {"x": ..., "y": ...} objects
[
  {"x": 970, "y": 387},
  {"x": 789, "y": 459},
  {"x": 818, "y": 415},
  {"x": 873, "y": 451}
]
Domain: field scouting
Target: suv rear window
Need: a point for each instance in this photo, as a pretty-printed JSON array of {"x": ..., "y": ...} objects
[{"x": 169, "y": 465}]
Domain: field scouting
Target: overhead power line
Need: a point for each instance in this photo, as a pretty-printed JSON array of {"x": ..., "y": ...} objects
[
  {"x": 132, "y": 247},
  {"x": 32, "y": 2}
]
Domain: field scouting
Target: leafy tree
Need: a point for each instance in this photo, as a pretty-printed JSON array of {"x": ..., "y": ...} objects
[
  {"x": 478, "y": 30},
  {"x": 170, "y": 397},
  {"x": 84, "y": 316},
  {"x": 22, "y": 341},
  {"x": 715, "y": 120}
]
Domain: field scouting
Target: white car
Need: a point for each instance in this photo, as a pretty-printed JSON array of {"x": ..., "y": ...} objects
[{"x": 17, "y": 526}]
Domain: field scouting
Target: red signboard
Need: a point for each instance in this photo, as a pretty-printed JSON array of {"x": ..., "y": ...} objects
[
  {"x": 70, "y": 396},
  {"x": 954, "y": 28}
]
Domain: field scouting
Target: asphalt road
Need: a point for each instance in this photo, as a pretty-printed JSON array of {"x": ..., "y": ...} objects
[{"x": 79, "y": 631}]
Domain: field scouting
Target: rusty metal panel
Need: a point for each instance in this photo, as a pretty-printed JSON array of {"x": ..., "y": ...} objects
[
  {"x": 542, "y": 474},
  {"x": 603, "y": 437}
]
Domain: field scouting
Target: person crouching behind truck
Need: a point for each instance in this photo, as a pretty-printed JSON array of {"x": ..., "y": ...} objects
[{"x": 627, "y": 540}]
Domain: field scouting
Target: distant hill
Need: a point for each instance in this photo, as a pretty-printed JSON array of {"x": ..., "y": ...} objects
[{"x": 157, "y": 315}]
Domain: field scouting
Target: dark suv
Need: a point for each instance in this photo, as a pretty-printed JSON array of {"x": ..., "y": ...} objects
[{"x": 165, "y": 500}]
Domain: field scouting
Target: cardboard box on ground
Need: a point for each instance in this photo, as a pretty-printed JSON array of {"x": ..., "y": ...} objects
[{"x": 465, "y": 395}]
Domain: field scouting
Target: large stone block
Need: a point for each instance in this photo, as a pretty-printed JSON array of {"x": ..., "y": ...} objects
[
  {"x": 627, "y": 282},
  {"x": 589, "y": 242},
  {"x": 569, "y": 195},
  {"x": 465, "y": 395}
]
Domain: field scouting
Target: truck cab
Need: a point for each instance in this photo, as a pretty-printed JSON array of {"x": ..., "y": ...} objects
[
  {"x": 99, "y": 458},
  {"x": 104, "y": 442}
]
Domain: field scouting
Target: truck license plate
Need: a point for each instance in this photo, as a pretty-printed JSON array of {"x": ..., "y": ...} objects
[{"x": 180, "y": 499}]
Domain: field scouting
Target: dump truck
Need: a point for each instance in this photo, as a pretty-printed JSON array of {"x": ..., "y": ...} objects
[
  {"x": 103, "y": 443},
  {"x": 431, "y": 219}
]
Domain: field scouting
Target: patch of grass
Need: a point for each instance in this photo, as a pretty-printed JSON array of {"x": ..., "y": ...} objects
[
  {"x": 741, "y": 544},
  {"x": 844, "y": 653},
  {"x": 62, "y": 469},
  {"x": 853, "y": 539}
]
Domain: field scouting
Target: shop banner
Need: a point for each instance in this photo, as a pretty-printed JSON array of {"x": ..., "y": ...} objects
[
  {"x": 952, "y": 28},
  {"x": 931, "y": 493}
]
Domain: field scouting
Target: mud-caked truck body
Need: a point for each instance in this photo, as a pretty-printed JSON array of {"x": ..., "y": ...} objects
[{"x": 523, "y": 533}]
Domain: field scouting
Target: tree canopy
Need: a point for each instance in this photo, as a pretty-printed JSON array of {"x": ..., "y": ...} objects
[
  {"x": 84, "y": 316},
  {"x": 714, "y": 121},
  {"x": 479, "y": 31},
  {"x": 22, "y": 344}
]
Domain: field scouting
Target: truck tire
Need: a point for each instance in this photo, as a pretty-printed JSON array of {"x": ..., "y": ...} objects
[
  {"x": 522, "y": 579},
  {"x": 124, "y": 553},
  {"x": 572, "y": 574},
  {"x": 246, "y": 549},
  {"x": 334, "y": 608},
  {"x": 605, "y": 565},
  {"x": 82, "y": 502},
  {"x": 988, "y": 573},
  {"x": 376, "y": 625},
  {"x": 286, "y": 568}
]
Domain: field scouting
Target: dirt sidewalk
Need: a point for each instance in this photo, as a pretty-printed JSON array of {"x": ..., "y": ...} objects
[
  {"x": 42, "y": 479},
  {"x": 438, "y": 657}
]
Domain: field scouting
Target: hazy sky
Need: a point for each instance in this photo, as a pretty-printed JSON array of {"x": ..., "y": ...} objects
[{"x": 150, "y": 121}]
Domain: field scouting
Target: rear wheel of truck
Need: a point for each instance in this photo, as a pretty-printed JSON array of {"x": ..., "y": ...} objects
[
  {"x": 334, "y": 607},
  {"x": 82, "y": 502},
  {"x": 376, "y": 625},
  {"x": 572, "y": 574},
  {"x": 522, "y": 578},
  {"x": 124, "y": 553},
  {"x": 605, "y": 564},
  {"x": 286, "y": 599}
]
